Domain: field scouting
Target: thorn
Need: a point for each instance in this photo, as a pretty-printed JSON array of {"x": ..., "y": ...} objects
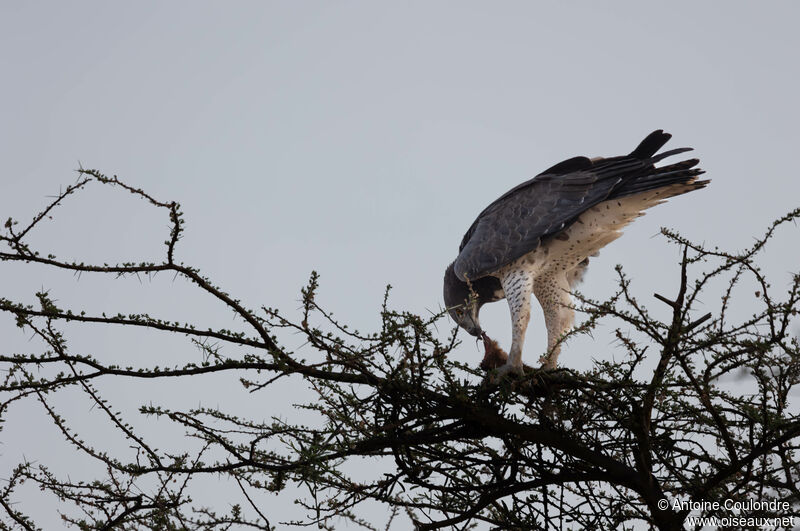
[{"x": 664, "y": 300}]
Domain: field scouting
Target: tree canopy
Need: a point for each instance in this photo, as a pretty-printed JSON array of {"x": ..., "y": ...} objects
[{"x": 701, "y": 406}]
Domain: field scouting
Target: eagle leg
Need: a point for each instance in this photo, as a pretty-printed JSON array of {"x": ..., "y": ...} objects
[
  {"x": 552, "y": 292},
  {"x": 517, "y": 286}
]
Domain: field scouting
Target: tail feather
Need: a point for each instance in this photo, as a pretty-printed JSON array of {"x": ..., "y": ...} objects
[
  {"x": 651, "y": 144},
  {"x": 652, "y": 182},
  {"x": 660, "y": 156},
  {"x": 683, "y": 172}
]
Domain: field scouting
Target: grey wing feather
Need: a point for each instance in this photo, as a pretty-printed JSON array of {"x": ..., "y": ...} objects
[{"x": 518, "y": 221}]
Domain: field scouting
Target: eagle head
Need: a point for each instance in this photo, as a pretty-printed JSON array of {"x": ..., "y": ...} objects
[{"x": 464, "y": 305}]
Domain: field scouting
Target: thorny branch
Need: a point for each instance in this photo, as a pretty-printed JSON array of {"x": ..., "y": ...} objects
[{"x": 697, "y": 406}]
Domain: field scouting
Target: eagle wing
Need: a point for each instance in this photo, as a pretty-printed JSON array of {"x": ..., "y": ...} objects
[{"x": 518, "y": 221}]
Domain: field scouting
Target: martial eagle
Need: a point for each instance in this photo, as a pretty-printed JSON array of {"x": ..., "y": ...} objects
[{"x": 538, "y": 237}]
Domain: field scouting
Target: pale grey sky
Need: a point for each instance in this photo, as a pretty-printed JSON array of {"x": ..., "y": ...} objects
[{"x": 361, "y": 139}]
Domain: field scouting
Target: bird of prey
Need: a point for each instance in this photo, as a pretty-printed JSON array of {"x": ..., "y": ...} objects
[{"x": 538, "y": 237}]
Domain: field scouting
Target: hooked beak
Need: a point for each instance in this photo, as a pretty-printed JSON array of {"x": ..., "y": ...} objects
[
  {"x": 482, "y": 337},
  {"x": 472, "y": 327}
]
